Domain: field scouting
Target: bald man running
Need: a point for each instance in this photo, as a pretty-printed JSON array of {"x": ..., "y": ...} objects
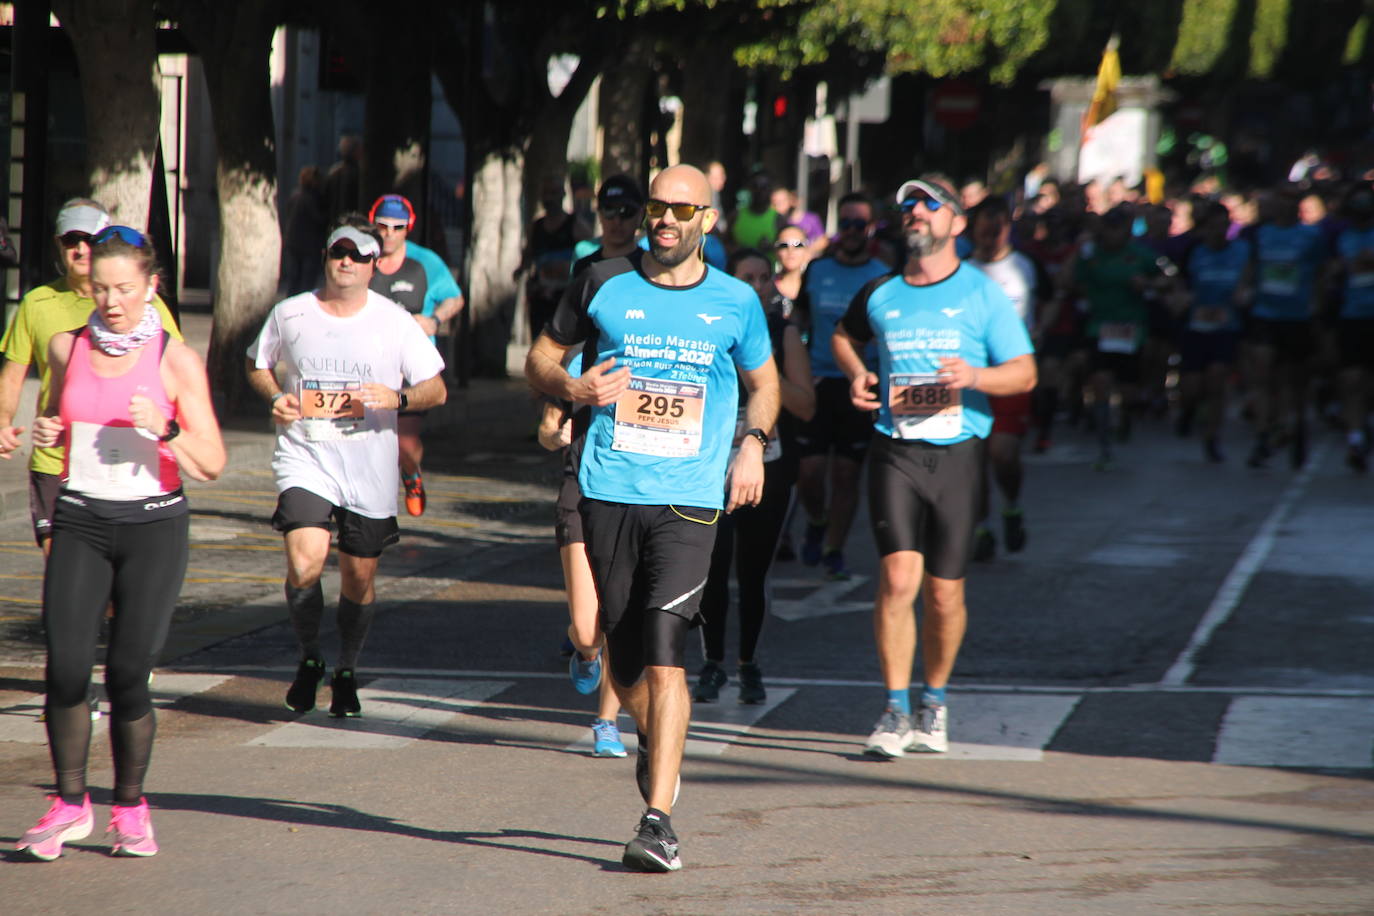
[{"x": 666, "y": 336}]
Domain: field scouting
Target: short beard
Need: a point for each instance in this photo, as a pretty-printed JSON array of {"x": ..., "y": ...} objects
[
  {"x": 925, "y": 244},
  {"x": 689, "y": 241}
]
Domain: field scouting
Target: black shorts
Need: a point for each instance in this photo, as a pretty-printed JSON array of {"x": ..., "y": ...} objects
[
  {"x": 650, "y": 565},
  {"x": 1200, "y": 349},
  {"x": 1291, "y": 341},
  {"x": 567, "y": 521},
  {"x": 1124, "y": 367},
  {"x": 837, "y": 424},
  {"x": 926, "y": 498},
  {"x": 1356, "y": 338},
  {"x": 359, "y": 536},
  {"x": 43, "y": 489}
]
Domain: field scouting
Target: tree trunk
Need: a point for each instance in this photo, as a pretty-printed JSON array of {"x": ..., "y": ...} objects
[
  {"x": 706, "y": 115},
  {"x": 497, "y": 233},
  {"x": 235, "y": 41},
  {"x": 396, "y": 121},
  {"x": 623, "y": 90},
  {"x": 116, "y": 56}
]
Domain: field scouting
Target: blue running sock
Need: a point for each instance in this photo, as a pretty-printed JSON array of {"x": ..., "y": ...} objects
[
  {"x": 933, "y": 696},
  {"x": 899, "y": 700}
]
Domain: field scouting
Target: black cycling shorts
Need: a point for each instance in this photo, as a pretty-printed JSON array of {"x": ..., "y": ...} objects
[
  {"x": 567, "y": 521},
  {"x": 43, "y": 490},
  {"x": 837, "y": 424},
  {"x": 650, "y": 565},
  {"x": 359, "y": 536},
  {"x": 926, "y": 498}
]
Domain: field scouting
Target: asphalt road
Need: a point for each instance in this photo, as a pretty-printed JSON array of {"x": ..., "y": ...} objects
[{"x": 1165, "y": 704}]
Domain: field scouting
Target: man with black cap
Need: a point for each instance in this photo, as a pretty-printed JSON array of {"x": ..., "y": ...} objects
[
  {"x": 620, "y": 207},
  {"x": 350, "y": 361},
  {"x": 62, "y": 305},
  {"x": 947, "y": 338},
  {"x": 431, "y": 297}
]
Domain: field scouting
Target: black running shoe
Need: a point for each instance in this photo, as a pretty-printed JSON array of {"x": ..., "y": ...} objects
[
  {"x": 709, "y": 681},
  {"x": 345, "y": 688},
  {"x": 654, "y": 847},
  {"x": 751, "y": 684},
  {"x": 984, "y": 545},
  {"x": 1014, "y": 530},
  {"x": 300, "y": 697}
]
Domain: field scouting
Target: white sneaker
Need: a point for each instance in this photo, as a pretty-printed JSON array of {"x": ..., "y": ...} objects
[
  {"x": 891, "y": 735},
  {"x": 932, "y": 734}
]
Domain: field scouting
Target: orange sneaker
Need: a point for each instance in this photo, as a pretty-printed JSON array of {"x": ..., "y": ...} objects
[{"x": 415, "y": 493}]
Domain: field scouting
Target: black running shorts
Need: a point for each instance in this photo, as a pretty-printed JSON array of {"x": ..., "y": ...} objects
[
  {"x": 1357, "y": 342},
  {"x": 650, "y": 565},
  {"x": 43, "y": 490},
  {"x": 925, "y": 498},
  {"x": 1293, "y": 342},
  {"x": 567, "y": 521},
  {"x": 359, "y": 536},
  {"x": 837, "y": 424}
]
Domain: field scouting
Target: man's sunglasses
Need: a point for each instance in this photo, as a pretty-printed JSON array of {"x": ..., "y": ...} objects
[
  {"x": 932, "y": 202},
  {"x": 392, "y": 227},
  {"x": 852, "y": 222},
  {"x": 338, "y": 251},
  {"x": 624, "y": 211},
  {"x": 123, "y": 233},
  {"x": 71, "y": 239},
  {"x": 681, "y": 212},
  {"x": 782, "y": 244}
]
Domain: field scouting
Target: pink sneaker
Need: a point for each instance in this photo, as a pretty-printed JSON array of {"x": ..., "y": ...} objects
[
  {"x": 63, "y": 822},
  {"x": 132, "y": 826}
]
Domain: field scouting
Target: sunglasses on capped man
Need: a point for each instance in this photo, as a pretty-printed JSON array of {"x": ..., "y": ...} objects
[
  {"x": 932, "y": 202},
  {"x": 338, "y": 251},
  {"x": 681, "y": 212}
]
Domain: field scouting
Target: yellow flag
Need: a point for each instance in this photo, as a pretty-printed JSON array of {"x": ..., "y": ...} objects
[{"x": 1104, "y": 93}]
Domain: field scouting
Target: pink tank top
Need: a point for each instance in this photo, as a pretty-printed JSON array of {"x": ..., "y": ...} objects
[{"x": 107, "y": 457}]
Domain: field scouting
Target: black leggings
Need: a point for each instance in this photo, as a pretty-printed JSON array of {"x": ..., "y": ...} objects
[
  {"x": 749, "y": 538},
  {"x": 139, "y": 568}
]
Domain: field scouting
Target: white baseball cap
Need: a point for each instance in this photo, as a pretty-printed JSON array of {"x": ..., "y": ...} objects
[
  {"x": 81, "y": 215},
  {"x": 933, "y": 189},
  {"x": 363, "y": 242}
]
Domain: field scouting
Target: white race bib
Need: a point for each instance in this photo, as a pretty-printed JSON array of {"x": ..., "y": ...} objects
[
  {"x": 660, "y": 417},
  {"x": 331, "y": 410},
  {"x": 1118, "y": 337},
  {"x": 924, "y": 408}
]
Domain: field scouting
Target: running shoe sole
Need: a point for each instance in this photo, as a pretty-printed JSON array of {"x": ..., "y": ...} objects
[
  {"x": 50, "y": 848},
  {"x": 645, "y": 857}
]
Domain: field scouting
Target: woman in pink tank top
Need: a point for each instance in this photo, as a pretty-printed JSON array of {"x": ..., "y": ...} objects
[{"x": 132, "y": 406}]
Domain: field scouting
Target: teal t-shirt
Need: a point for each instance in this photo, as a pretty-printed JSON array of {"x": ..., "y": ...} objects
[
  {"x": 965, "y": 315},
  {"x": 666, "y": 441}
]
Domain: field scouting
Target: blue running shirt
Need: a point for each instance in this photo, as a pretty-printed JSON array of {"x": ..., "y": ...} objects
[
  {"x": 827, "y": 289},
  {"x": 666, "y": 441},
  {"x": 1286, "y": 262},
  {"x": 1356, "y": 248},
  {"x": 1213, "y": 277},
  {"x": 965, "y": 315}
]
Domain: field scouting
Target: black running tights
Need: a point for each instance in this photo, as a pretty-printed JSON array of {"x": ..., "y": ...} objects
[{"x": 139, "y": 569}]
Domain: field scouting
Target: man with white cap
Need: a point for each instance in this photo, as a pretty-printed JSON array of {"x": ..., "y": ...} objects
[
  {"x": 350, "y": 360},
  {"x": 53, "y": 308},
  {"x": 947, "y": 337}
]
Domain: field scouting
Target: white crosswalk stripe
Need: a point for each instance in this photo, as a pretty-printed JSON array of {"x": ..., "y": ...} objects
[
  {"x": 396, "y": 711},
  {"x": 1297, "y": 732}
]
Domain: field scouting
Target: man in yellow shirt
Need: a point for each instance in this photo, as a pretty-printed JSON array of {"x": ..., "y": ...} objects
[{"x": 62, "y": 305}]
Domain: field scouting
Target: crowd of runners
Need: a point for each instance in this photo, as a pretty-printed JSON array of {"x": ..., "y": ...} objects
[{"x": 708, "y": 375}]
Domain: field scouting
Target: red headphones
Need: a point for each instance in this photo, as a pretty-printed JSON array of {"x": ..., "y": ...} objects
[{"x": 410, "y": 211}]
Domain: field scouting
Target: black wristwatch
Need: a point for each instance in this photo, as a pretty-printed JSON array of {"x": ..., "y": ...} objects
[
  {"x": 405, "y": 401},
  {"x": 759, "y": 435},
  {"x": 173, "y": 430}
]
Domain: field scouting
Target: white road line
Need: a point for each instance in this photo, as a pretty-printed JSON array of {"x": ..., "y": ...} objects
[
  {"x": 715, "y": 725},
  {"x": 1282, "y": 732},
  {"x": 1002, "y": 727},
  {"x": 1238, "y": 580},
  {"x": 396, "y": 711},
  {"x": 822, "y": 602},
  {"x": 19, "y": 721}
]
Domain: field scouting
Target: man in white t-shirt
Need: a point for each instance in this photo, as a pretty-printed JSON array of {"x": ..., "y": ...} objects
[
  {"x": 1025, "y": 283},
  {"x": 350, "y": 359}
]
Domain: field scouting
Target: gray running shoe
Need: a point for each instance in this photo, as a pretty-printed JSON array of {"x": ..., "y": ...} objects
[
  {"x": 932, "y": 734},
  {"x": 891, "y": 735}
]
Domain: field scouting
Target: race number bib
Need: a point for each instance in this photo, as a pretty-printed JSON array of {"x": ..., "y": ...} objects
[
  {"x": 1279, "y": 278},
  {"x": 1118, "y": 337},
  {"x": 331, "y": 410},
  {"x": 1209, "y": 318},
  {"x": 772, "y": 453},
  {"x": 660, "y": 417},
  {"x": 923, "y": 408}
]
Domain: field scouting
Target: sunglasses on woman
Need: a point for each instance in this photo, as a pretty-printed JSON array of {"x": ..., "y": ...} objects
[
  {"x": 782, "y": 244},
  {"x": 123, "y": 233}
]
